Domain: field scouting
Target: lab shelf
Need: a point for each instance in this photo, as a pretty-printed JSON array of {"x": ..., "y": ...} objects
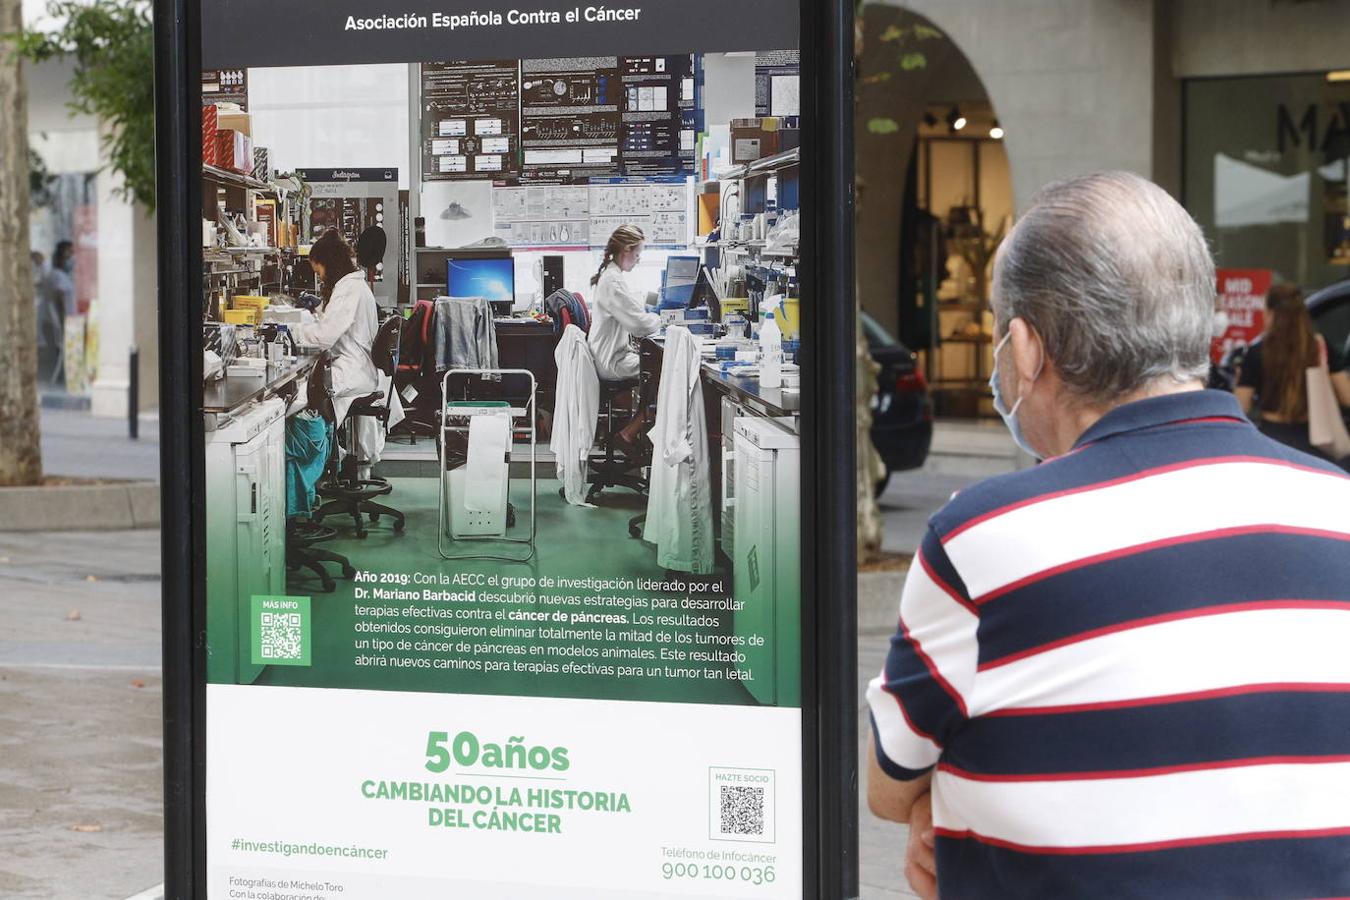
[{"x": 234, "y": 179}]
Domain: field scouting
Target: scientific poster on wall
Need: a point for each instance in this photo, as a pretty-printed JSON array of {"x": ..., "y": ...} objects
[{"x": 491, "y": 629}]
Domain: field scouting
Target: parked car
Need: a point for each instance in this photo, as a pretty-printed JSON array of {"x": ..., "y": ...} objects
[
  {"x": 902, "y": 410},
  {"x": 1330, "y": 310}
]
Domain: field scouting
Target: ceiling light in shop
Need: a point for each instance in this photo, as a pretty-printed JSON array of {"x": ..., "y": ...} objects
[
  {"x": 1339, "y": 75},
  {"x": 955, "y": 121},
  {"x": 996, "y": 131},
  {"x": 929, "y": 119}
]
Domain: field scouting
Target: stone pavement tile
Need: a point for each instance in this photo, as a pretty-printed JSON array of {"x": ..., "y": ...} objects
[
  {"x": 79, "y": 749},
  {"x": 80, "y": 715},
  {"x": 881, "y": 845},
  {"x": 80, "y": 445}
]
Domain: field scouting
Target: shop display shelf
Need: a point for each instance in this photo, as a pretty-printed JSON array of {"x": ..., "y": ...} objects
[{"x": 234, "y": 179}]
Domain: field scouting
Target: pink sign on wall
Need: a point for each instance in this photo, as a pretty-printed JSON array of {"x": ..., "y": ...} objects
[{"x": 1242, "y": 297}]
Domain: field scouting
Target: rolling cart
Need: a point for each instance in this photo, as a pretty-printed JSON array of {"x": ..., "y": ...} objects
[{"x": 477, "y": 509}]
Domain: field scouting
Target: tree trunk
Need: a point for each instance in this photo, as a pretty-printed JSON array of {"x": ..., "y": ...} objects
[
  {"x": 870, "y": 467},
  {"x": 20, "y": 449}
]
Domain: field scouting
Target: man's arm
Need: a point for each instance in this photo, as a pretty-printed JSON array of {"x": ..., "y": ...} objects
[{"x": 890, "y": 798}]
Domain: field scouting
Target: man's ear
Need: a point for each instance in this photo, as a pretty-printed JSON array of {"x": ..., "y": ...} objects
[{"x": 1028, "y": 353}]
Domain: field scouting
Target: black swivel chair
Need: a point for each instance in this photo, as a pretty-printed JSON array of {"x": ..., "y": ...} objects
[
  {"x": 347, "y": 493},
  {"x": 302, "y": 537},
  {"x": 617, "y": 466}
]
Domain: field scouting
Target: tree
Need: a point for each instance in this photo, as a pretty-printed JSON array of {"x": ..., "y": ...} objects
[
  {"x": 20, "y": 444},
  {"x": 112, "y": 43},
  {"x": 907, "y": 56}
]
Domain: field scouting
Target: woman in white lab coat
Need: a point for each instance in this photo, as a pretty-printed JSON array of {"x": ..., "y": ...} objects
[
  {"x": 618, "y": 315},
  {"x": 345, "y": 324}
]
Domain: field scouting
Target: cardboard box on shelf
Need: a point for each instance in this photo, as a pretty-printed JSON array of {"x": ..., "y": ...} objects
[
  {"x": 262, "y": 169},
  {"x": 233, "y": 118},
  {"x": 234, "y": 152},
  {"x": 210, "y": 147},
  {"x": 753, "y": 139}
]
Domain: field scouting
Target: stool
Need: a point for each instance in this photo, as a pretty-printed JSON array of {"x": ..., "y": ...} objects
[
  {"x": 349, "y": 494},
  {"x": 617, "y": 468},
  {"x": 301, "y": 552}
]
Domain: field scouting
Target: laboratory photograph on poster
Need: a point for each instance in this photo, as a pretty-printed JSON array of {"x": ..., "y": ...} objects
[
  {"x": 533, "y": 403},
  {"x": 502, "y": 426}
]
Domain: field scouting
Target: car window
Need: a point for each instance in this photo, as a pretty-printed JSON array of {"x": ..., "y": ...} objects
[{"x": 1333, "y": 321}]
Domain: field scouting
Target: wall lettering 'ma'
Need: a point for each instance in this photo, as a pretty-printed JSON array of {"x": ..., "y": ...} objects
[{"x": 1306, "y": 132}]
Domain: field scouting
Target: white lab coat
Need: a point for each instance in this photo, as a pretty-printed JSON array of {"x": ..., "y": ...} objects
[
  {"x": 618, "y": 315},
  {"x": 346, "y": 327},
  {"x": 679, "y": 508},
  {"x": 575, "y": 413}
]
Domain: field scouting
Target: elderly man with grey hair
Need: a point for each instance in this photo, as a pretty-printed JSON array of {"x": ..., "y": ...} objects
[{"x": 1123, "y": 672}]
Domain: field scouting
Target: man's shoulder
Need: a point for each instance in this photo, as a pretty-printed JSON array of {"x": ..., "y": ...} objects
[
  {"x": 1160, "y": 451},
  {"x": 989, "y": 497}
]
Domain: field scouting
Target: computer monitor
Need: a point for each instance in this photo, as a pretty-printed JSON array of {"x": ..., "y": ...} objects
[
  {"x": 492, "y": 278},
  {"x": 681, "y": 270},
  {"x": 705, "y": 294}
]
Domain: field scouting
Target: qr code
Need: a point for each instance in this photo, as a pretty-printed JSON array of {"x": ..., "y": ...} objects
[
  {"x": 742, "y": 810},
  {"x": 280, "y": 636}
]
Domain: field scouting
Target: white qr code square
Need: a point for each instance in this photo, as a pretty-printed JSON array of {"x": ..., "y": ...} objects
[
  {"x": 741, "y": 805},
  {"x": 280, "y": 636}
]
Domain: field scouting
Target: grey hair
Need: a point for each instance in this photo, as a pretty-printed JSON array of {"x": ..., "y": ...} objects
[{"x": 1116, "y": 278}]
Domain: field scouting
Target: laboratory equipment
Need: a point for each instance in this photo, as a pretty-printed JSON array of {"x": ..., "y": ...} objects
[
  {"x": 765, "y": 562},
  {"x": 474, "y": 498},
  {"x": 245, "y": 532}
]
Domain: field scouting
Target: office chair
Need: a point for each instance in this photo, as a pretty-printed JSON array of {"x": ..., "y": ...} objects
[
  {"x": 301, "y": 537},
  {"x": 347, "y": 493},
  {"x": 616, "y": 467}
]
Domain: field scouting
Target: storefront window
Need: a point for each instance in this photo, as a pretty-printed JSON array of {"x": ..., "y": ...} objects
[{"x": 1266, "y": 169}]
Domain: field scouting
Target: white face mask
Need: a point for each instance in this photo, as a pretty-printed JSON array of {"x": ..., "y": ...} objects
[
  {"x": 1009, "y": 416},
  {"x": 1220, "y": 323}
]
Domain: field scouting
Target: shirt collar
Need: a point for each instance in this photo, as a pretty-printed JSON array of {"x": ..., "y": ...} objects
[{"x": 1168, "y": 409}]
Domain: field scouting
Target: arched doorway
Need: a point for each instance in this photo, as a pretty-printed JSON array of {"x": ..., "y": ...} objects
[{"x": 935, "y": 197}]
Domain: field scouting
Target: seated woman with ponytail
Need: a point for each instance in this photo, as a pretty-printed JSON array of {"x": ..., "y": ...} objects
[{"x": 619, "y": 315}]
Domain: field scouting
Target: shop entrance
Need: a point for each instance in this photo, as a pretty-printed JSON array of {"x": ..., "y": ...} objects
[{"x": 935, "y": 201}]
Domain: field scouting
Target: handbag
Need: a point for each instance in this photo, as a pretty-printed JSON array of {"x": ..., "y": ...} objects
[{"x": 1326, "y": 428}]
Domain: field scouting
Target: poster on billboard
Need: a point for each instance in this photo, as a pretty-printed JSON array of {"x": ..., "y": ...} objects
[
  {"x": 1242, "y": 305},
  {"x": 515, "y": 567}
]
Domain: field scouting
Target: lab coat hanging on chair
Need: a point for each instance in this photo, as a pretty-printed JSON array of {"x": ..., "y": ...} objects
[{"x": 679, "y": 505}]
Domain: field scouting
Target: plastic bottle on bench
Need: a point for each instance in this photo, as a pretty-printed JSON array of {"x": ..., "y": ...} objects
[{"x": 770, "y": 353}]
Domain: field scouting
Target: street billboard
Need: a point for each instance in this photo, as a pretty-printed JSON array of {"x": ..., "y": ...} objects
[{"x": 508, "y": 465}]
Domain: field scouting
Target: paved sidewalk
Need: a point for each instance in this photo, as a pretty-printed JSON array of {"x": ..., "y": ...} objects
[
  {"x": 80, "y": 748},
  {"x": 77, "y": 444}
]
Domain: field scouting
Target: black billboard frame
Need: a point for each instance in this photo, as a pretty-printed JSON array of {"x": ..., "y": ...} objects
[{"x": 829, "y": 616}]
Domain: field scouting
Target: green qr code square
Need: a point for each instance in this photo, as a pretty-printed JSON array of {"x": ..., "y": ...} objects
[{"x": 281, "y": 630}]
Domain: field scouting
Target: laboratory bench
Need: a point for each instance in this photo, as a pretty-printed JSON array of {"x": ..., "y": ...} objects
[{"x": 230, "y": 395}]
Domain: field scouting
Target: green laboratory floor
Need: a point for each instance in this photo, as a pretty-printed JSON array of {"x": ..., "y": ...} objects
[{"x": 571, "y": 542}]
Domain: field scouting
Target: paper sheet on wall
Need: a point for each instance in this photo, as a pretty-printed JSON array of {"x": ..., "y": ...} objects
[{"x": 457, "y": 213}]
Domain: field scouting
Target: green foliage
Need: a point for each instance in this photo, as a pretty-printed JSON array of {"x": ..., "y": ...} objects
[
  {"x": 112, "y": 45},
  {"x": 882, "y": 126},
  {"x": 39, "y": 180}
]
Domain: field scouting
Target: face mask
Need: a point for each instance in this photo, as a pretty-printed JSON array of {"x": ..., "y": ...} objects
[
  {"x": 1009, "y": 415},
  {"x": 1220, "y": 323}
]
